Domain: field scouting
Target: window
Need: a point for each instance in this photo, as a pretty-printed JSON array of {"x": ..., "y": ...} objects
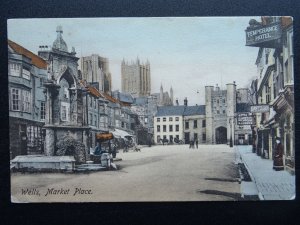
[
  {"x": 95, "y": 105},
  {"x": 14, "y": 69},
  {"x": 164, "y": 119},
  {"x": 203, "y": 123},
  {"x": 170, "y": 128},
  {"x": 16, "y": 99},
  {"x": 43, "y": 111},
  {"x": 204, "y": 137},
  {"x": 224, "y": 112},
  {"x": 186, "y": 124},
  {"x": 268, "y": 94},
  {"x": 218, "y": 112},
  {"x": 177, "y": 137},
  {"x": 122, "y": 124},
  {"x": 158, "y": 119},
  {"x": 158, "y": 128},
  {"x": 26, "y": 101},
  {"x": 26, "y": 74},
  {"x": 176, "y": 118},
  {"x": 41, "y": 82},
  {"x": 170, "y": 118},
  {"x": 91, "y": 101},
  {"x": 65, "y": 107},
  {"x": 95, "y": 120},
  {"x": 195, "y": 123},
  {"x": 223, "y": 100},
  {"x": 91, "y": 119},
  {"x": 164, "y": 128},
  {"x": 177, "y": 127},
  {"x": 217, "y": 101}
]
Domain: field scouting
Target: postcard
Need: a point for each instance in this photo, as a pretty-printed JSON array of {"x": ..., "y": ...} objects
[{"x": 151, "y": 109}]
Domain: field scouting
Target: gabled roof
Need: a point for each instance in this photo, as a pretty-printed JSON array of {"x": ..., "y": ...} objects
[{"x": 35, "y": 59}]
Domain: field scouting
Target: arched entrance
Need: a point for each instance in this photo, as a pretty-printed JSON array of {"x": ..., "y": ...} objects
[{"x": 221, "y": 135}]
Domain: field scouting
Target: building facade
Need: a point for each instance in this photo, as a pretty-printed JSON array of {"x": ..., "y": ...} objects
[
  {"x": 220, "y": 111},
  {"x": 274, "y": 87},
  {"x": 26, "y": 74},
  {"x": 136, "y": 78}
]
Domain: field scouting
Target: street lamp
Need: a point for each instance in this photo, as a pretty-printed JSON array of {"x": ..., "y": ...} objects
[{"x": 230, "y": 141}]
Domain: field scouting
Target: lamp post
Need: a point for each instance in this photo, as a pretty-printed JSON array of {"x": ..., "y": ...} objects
[{"x": 230, "y": 141}]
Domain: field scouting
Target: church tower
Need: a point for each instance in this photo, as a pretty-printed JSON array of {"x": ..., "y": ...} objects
[{"x": 171, "y": 96}]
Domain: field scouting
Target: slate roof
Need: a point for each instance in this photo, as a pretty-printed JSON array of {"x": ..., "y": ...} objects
[
  {"x": 194, "y": 110},
  {"x": 180, "y": 110},
  {"x": 140, "y": 101},
  {"x": 242, "y": 107},
  {"x": 124, "y": 97},
  {"x": 35, "y": 60}
]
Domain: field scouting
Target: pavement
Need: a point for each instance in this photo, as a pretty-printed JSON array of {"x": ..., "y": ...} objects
[{"x": 270, "y": 184}]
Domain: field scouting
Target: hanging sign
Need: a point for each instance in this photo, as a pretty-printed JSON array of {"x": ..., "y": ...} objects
[{"x": 256, "y": 36}]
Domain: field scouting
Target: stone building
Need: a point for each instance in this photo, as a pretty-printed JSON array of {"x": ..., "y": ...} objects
[
  {"x": 66, "y": 130},
  {"x": 95, "y": 69},
  {"x": 164, "y": 98},
  {"x": 182, "y": 122},
  {"x": 220, "y": 111},
  {"x": 274, "y": 87},
  {"x": 136, "y": 78},
  {"x": 26, "y": 74}
]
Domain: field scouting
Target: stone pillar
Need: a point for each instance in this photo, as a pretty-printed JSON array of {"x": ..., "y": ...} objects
[
  {"x": 49, "y": 142},
  {"x": 209, "y": 115}
]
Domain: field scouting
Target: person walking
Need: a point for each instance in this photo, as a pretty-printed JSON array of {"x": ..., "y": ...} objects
[
  {"x": 278, "y": 156},
  {"x": 197, "y": 143}
]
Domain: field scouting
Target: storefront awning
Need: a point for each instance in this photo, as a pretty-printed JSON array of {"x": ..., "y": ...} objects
[{"x": 121, "y": 133}]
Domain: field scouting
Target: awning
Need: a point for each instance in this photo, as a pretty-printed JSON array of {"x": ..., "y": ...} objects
[{"x": 121, "y": 133}]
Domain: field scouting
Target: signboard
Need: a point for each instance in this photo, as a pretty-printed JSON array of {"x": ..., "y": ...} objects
[
  {"x": 244, "y": 119},
  {"x": 259, "y": 108},
  {"x": 261, "y": 34}
]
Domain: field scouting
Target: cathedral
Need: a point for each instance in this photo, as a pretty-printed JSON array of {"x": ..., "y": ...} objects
[{"x": 136, "y": 78}]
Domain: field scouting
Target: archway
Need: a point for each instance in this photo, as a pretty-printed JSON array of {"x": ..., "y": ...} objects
[{"x": 221, "y": 135}]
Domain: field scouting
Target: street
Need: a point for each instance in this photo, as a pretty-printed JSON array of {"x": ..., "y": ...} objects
[{"x": 158, "y": 173}]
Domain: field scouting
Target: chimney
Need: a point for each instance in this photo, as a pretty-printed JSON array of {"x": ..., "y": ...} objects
[
  {"x": 177, "y": 103},
  {"x": 185, "y": 101}
]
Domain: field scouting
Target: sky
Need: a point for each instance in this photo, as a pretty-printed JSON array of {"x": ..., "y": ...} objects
[{"x": 185, "y": 53}]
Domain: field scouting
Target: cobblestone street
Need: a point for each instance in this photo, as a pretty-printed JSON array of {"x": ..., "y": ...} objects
[{"x": 159, "y": 173}]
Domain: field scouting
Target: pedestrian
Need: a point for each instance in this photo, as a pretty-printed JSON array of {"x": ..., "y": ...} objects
[
  {"x": 197, "y": 143},
  {"x": 278, "y": 156}
]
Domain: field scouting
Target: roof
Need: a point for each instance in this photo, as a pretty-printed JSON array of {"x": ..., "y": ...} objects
[
  {"x": 125, "y": 97},
  {"x": 35, "y": 59},
  {"x": 180, "y": 110},
  {"x": 140, "y": 101},
  {"x": 242, "y": 107},
  {"x": 194, "y": 110}
]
